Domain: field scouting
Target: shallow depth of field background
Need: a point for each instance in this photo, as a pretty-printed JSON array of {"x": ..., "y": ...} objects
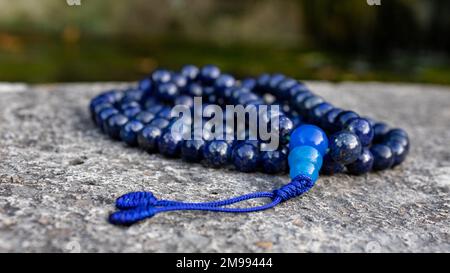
[{"x": 117, "y": 40}]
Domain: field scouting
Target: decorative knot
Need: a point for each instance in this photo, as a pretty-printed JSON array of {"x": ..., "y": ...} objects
[
  {"x": 136, "y": 199},
  {"x": 129, "y": 217},
  {"x": 298, "y": 185}
]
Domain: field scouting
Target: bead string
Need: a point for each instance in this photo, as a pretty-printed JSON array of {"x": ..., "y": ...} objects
[{"x": 141, "y": 117}]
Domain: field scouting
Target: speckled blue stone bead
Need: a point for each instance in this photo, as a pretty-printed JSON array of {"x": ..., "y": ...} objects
[
  {"x": 298, "y": 100},
  {"x": 192, "y": 149},
  {"x": 273, "y": 162},
  {"x": 399, "y": 150},
  {"x": 363, "y": 164},
  {"x": 209, "y": 74},
  {"x": 379, "y": 131},
  {"x": 103, "y": 116},
  {"x": 223, "y": 82},
  {"x": 160, "y": 123},
  {"x": 404, "y": 141},
  {"x": 297, "y": 89},
  {"x": 145, "y": 117},
  {"x": 98, "y": 108},
  {"x": 248, "y": 83},
  {"x": 344, "y": 117},
  {"x": 191, "y": 72},
  {"x": 155, "y": 108},
  {"x": 166, "y": 112},
  {"x": 130, "y": 131},
  {"x": 317, "y": 112},
  {"x": 262, "y": 83},
  {"x": 362, "y": 128},
  {"x": 169, "y": 144},
  {"x": 180, "y": 81},
  {"x": 328, "y": 121},
  {"x": 132, "y": 95},
  {"x": 217, "y": 153},
  {"x": 274, "y": 81},
  {"x": 237, "y": 92},
  {"x": 309, "y": 135},
  {"x": 148, "y": 138},
  {"x": 194, "y": 90},
  {"x": 330, "y": 167},
  {"x": 397, "y": 132},
  {"x": 307, "y": 104},
  {"x": 161, "y": 76},
  {"x": 129, "y": 104},
  {"x": 283, "y": 88},
  {"x": 114, "y": 125},
  {"x": 167, "y": 92},
  {"x": 131, "y": 112},
  {"x": 247, "y": 98},
  {"x": 245, "y": 157},
  {"x": 383, "y": 158},
  {"x": 345, "y": 147},
  {"x": 184, "y": 100},
  {"x": 285, "y": 127},
  {"x": 145, "y": 85}
]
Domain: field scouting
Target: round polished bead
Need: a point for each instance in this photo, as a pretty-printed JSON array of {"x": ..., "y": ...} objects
[
  {"x": 247, "y": 98},
  {"x": 98, "y": 108},
  {"x": 145, "y": 85},
  {"x": 217, "y": 153},
  {"x": 285, "y": 127},
  {"x": 237, "y": 92},
  {"x": 273, "y": 161},
  {"x": 129, "y": 104},
  {"x": 155, "y": 109},
  {"x": 150, "y": 102},
  {"x": 274, "y": 81},
  {"x": 379, "y": 131},
  {"x": 148, "y": 138},
  {"x": 132, "y": 95},
  {"x": 283, "y": 88},
  {"x": 298, "y": 100},
  {"x": 345, "y": 147},
  {"x": 304, "y": 168},
  {"x": 191, "y": 72},
  {"x": 363, "y": 164},
  {"x": 114, "y": 125},
  {"x": 262, "y": 83},
  {"x": 160, "y": 123},
  {"x": 297, "y": 89},
  {"x": 223, "y": 82},
  {"x": 110, "y": 97},
  {"x": 192, "y": 149},
  {"x": 161, "y": 76},
  {"x": 328, "y": 121},
  {"x": 371, "y": 121},
  {"x": 208, "y": 74},
  {"x": 305, "y": 153},
  {"x": 362, "y": 128},
  {"x": 248, "y": 83},
  {"x": 166, "y": 112},
  {"x": 309, "y": 135},
  {"x": 130, "y": 131},
  {"x": 194, "y": 90},
  {"x": 184, "y": 100},
  {"x": 330, "y": 167},
  {"x": 399, "y": 148},
  {"x": 167, "y": 92},
  {"x": 344, "y": 117},
  {"x": 103, "y": 116},
  {"x": 317, "y": 112},
  {"x": 180, "y": 81},
  {"x": 397, "y": 132},
  {"x": 169, "y": 144},
  {"x": 383, "y": 158},
  {"x": 145, "y": 117},
  {"x": 245, "y": 157},
  {"x": 131, "y": 112},
  {"x": 309, "y": 103}
]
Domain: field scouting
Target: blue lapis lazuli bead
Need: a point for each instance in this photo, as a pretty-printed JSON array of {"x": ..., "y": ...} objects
[{"x": 309, "y": 135}]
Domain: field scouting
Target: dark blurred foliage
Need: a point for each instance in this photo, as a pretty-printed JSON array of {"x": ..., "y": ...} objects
[{"x": 104, "y": 40}]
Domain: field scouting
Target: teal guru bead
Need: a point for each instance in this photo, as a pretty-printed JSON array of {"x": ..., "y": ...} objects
[{"x": 305, "y": 153}]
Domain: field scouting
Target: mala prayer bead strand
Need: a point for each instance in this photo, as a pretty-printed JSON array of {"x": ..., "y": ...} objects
[{"x": 315, "y": 136}]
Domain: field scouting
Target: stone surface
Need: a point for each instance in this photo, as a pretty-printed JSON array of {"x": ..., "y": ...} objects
[{"x": 59, "y": 178}]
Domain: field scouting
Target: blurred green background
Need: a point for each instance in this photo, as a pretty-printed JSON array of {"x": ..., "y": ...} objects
[{"x": 116, "y": 40}]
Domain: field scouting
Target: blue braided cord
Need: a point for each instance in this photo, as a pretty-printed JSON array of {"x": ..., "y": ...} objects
[
  {"x": 148, "y": 207},
  {"x": 143, "y": 199}
]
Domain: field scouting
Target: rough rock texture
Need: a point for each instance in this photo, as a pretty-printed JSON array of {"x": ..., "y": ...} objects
[{"x": 59, "y": 177}]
